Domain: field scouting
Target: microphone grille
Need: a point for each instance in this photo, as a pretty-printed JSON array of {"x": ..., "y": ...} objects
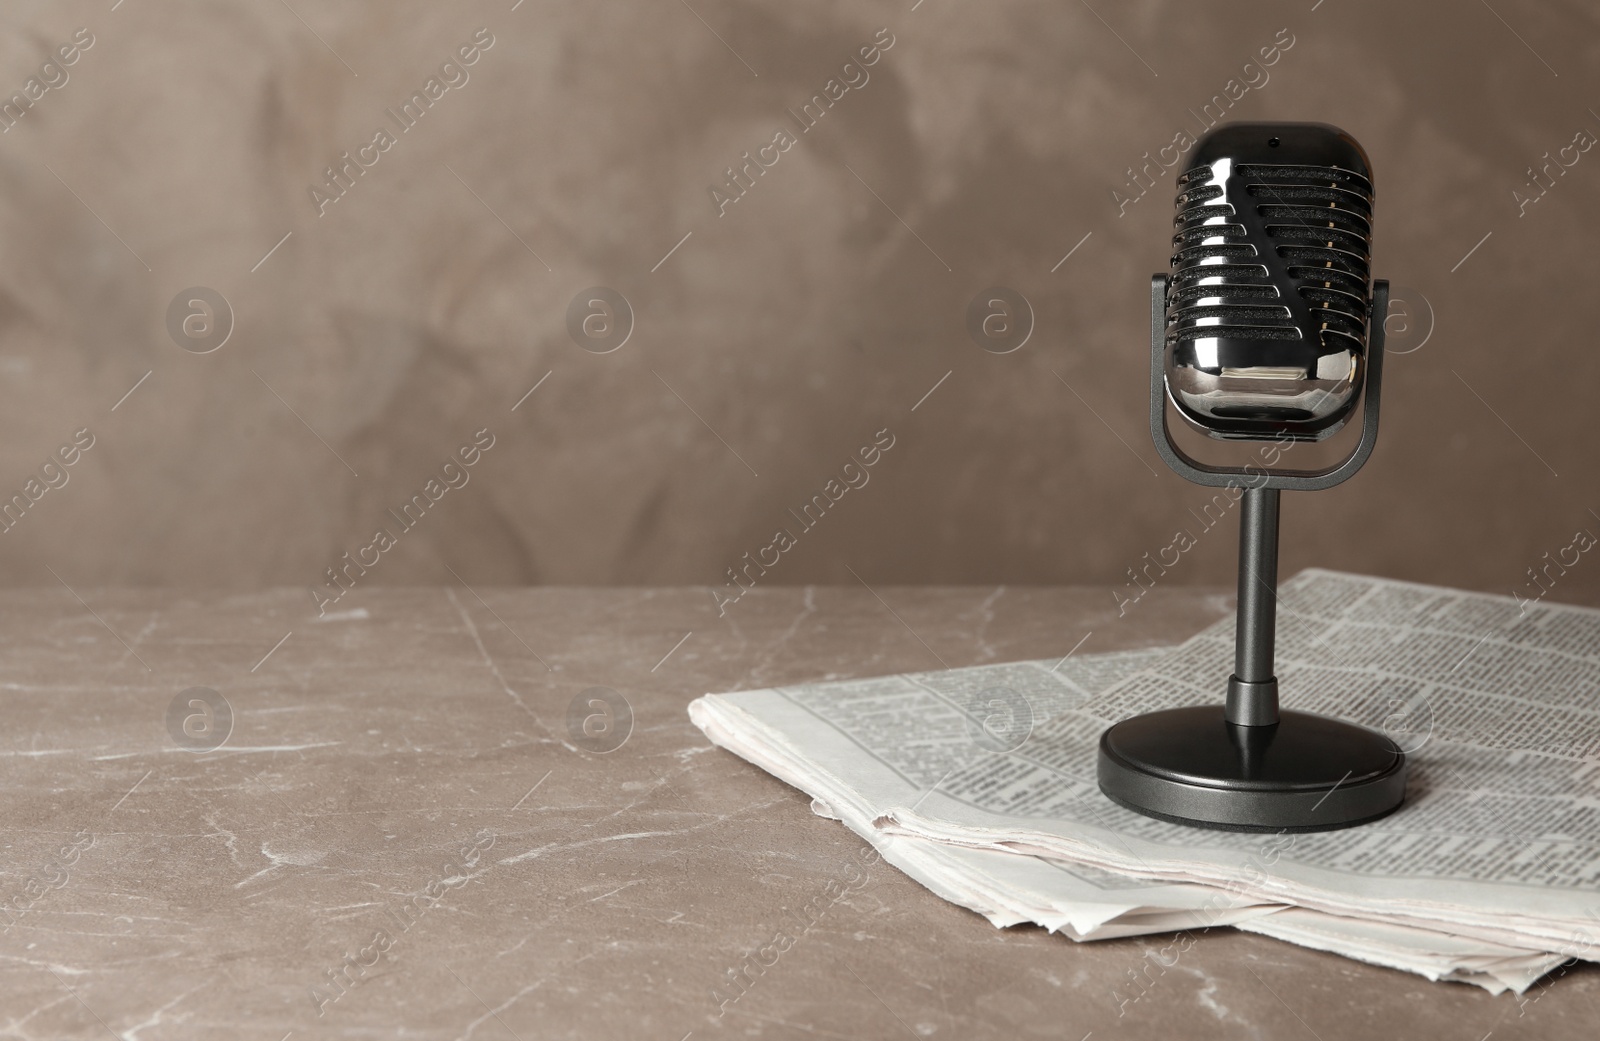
[{"x": 1280, "y": 252}]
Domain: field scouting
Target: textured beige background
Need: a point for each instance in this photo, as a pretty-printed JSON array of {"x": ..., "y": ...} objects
[{"x": 818, "y": 310}]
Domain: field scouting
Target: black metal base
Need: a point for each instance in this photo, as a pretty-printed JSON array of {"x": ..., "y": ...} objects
[{"x": 1304, "y": 773}]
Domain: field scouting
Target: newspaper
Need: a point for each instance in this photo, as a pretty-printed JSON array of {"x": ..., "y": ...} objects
[
  {"x": 1438, "y": 956},
  {"x": 852, "y": 772},
  {"x": 908, "y": 759},
  {"x": 1499, "y": 838}
]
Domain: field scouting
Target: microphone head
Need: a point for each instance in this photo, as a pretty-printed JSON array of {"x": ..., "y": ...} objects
[{"x": 1267, "y": 306}]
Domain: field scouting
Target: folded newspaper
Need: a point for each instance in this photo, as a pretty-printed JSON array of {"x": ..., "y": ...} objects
[{"x": 980, "y": 783}]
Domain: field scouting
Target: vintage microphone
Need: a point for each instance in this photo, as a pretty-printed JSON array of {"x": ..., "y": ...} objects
[{"x": 1265, "y": 331}]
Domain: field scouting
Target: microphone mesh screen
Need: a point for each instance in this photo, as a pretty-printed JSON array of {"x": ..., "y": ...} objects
[{"x": 1289, "y": 259}]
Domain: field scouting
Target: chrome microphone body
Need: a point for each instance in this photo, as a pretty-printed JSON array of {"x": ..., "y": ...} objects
[{"x": 1267, "y": 313}]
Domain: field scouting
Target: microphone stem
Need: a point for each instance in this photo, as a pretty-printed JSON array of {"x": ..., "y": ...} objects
[{"x": 1253, "y": 692}]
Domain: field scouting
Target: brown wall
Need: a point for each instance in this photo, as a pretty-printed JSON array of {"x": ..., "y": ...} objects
[{"x": 816, "y": 311}]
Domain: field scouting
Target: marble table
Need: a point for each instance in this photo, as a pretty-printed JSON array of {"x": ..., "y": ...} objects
[{"x": 401, "y": 837}]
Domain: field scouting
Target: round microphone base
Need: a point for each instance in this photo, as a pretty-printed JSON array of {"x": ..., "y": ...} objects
[{"x": 1304, "y": 773}]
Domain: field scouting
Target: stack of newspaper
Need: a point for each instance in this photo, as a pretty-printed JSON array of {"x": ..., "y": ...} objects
[{"x": 980, "y": 783}]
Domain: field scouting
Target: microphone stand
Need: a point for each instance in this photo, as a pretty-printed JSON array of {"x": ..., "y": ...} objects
[
  {"x": 1246, "y": 765},
  {"x": 1253, "y": 689}
]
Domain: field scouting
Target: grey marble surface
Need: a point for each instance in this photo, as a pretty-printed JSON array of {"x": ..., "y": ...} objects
[{"x": 401, "y": 807}]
